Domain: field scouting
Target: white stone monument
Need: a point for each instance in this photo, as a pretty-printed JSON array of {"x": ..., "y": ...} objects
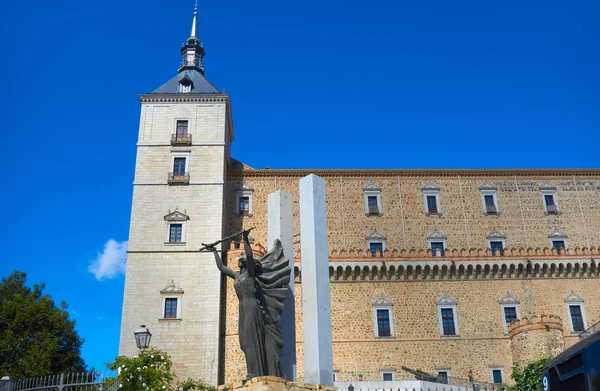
[
  {"x": 316, "y": 306},
  {"x": 281, "y": 226}
]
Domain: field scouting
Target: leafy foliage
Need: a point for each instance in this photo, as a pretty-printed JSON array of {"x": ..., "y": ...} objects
[
  {"x": 150, "y": 371},
  {"x": 36, "y": 337},
  {"x": 528, "y": 376}
]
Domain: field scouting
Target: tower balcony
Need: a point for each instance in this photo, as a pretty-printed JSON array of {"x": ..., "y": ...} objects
[
  {"x": 181, "y": 139},
  {"x": 179, "y": 178}
]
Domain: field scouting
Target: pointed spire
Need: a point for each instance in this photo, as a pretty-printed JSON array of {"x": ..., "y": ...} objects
[
  {"x": 193, "y": 51},
  {"x": 194, "y": 33}
]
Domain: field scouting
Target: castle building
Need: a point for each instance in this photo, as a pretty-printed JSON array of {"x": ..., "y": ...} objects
[{"x": 448, "y": 271}]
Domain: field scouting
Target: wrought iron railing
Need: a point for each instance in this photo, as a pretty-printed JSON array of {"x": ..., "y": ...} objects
[
  {"x": 181, "y": 139},
  {"x": 178, "y": 178},
  {"x": 74, "y": 381}
]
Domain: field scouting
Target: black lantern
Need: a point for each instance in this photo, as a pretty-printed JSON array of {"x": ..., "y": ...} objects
[
  {"x": 142, "y": 337},
  {"x": 471, "y": 375}
]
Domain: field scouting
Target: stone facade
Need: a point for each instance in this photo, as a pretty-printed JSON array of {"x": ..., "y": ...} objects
[
  {"x": 408, "y": 275},
  {"x": 192, "y": 336}
]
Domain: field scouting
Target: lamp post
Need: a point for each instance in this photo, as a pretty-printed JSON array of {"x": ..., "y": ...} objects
[{"x": 142, "y": 337}]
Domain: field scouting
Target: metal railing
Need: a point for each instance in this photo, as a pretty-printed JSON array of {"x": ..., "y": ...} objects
[
  {"x": 181, "y": 139},
  {"x": 491, "y": 209},
  {"x": 373, "y": 210},
  {"x": 595, "y": 328},
  {"x": 75, "y": 381},
  {"x": 178, "y": 178}
]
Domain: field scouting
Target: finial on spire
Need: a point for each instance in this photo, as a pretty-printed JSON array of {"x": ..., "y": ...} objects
[
  {"x": 194, "y": 33},
  {"x": 192, "y": 49}
]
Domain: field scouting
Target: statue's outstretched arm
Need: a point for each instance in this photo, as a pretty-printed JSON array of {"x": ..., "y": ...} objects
[
  {"x": 224, "y": 269},
  {"x": 248, "y": 253}
]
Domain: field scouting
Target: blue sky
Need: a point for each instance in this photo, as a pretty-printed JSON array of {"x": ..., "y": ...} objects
[{"x": 321, "y": 84}]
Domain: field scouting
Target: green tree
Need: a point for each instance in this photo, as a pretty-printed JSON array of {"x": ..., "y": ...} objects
[{"x": 36, "y": 337}]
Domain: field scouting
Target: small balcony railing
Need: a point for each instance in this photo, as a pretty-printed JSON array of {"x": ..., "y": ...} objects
[
  {"x": 181, "y": 139},
  {"x": 552, "y": 209},
  {"x": 373, "y": 210},
  {"x": 179, "y": 178},
  {"x": 491, "y": 209}
]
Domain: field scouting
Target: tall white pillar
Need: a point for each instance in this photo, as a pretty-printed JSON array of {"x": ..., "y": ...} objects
[
  {"x": 281, "y": 226},
  {"x": 316, "y": 306}
]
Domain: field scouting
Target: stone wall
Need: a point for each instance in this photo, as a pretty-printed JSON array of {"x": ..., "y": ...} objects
[{"x": 535, "y": 337}]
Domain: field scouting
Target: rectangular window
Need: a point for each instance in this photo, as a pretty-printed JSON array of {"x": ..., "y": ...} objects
[
  {"x": 497, "y": 246},
  {"x": 175, "y": 233},
  {"x": 432, "y": 204},
  {"x": 170, "y": 308},
  {"x": 376, "y": 249},
  {"x": 443, "y": 377},
  {"x": 383, "y": 323},
  {"x": 576, "y": 318},
  {"x": 549, "y": 198},
  {"x": 387, "y": 376},
  {"x": 489, "y": 201},
  {"x": 558, "y": 244},
  {"x": 182, "y": 129},
  {"x": 435, "y": 246},
  {"x": 497, "y": 375},
  {"x": 510, "y": 314},
  {"x": 373, "y": 205},
  {"x": 179, "y": 166},
  {"x": 244, "y": 205},
  {"x": 448, "y": 321}
]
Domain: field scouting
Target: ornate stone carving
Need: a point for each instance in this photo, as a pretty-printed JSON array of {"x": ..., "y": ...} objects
[
  {"x": 371, "y": 186},
  {"x": 445, "y": 299},
  {"x": 430, "y": 185},
  {"x": 171, "y": 287},
  {"x": 435, "y": 234},
  {"x": 381, "y": 299},
  {"x": 244, "y": 186},
  {"x": 546, "y": 185},
  {"x": 508, "y": 299},
  {"x": 487, "y": 186},
  {"x": 176, "y": 215},
  {"x": 495, "y": 234},
  {"x": 375, "y": 235},
  {"x": 572, "y": 297},
  {"x": 556, "y": 234}
]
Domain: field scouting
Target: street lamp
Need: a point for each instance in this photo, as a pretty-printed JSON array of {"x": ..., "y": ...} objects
[{"x": 142, "y": 337}]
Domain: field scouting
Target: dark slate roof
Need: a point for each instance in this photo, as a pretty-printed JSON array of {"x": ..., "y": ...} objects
[{"x": 201, "y": 84}]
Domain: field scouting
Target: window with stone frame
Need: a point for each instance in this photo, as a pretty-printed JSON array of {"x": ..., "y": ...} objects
[
  {"x": 489, "y": 198},
  {"x": 387, "y": 376},
  {"x": 558, "y": 240},
  {"x": 576, "y": 312},
  {"x": 442, "y": 377},
  {"x": 376, "y": 243},
  {"x": 447, "y": 316},
  {"x": 372, "y": 194},
  {"x": 243, "y": 199},
  {"x": 431, "y": 199},
  {"x": 509, "y": 306},
  {"x": 176, "y": 222},
  {"x": 382, "y": 317},
  {"x": 181, "y": 132},
  {"x": 549, "y": 198},
  {"x": 171, "y": 302},
  {"x": 436, "y": 241}
]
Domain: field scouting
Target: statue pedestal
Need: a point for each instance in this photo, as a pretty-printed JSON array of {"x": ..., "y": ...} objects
[{"x": 272, "y": 383}]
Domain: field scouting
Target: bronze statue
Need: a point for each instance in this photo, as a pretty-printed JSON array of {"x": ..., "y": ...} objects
[{"x": 261, "y": 287}]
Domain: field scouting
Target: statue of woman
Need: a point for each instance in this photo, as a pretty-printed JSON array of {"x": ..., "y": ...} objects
[{"x": 261, "y": 287}]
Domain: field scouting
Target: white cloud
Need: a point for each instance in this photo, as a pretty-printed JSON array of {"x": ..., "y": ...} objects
[{"x": 111, "y": 261}]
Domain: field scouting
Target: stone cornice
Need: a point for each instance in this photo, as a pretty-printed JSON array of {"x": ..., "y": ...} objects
[
  {"x": 446, "y": 270},
  {"x": 150, "y": 98},
  {"x": 541, "y": 172}
]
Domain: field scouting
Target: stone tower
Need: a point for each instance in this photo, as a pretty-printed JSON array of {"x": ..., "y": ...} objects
[{"x": 178, "y": 203}]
